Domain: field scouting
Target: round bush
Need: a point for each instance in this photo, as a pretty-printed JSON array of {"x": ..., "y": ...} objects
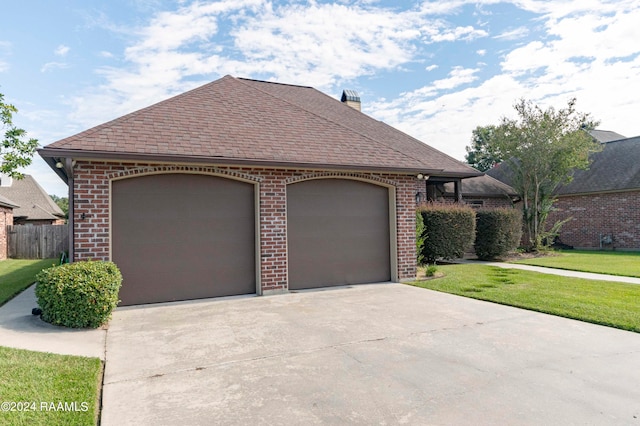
[
  {"x": 80, "y": 294},
  {"x": 498, "y": 232},
  {"x": 448, "y": 231}
]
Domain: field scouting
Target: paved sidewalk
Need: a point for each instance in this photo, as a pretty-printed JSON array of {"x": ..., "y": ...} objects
[
  {"x": 20, "y": 329},
  {"x": 554, "y": 271}
]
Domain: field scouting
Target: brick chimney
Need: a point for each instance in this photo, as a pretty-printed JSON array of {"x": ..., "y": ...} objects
[{"x": 351, "y": 98}]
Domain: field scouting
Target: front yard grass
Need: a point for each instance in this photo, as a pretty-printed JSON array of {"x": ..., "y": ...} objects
[
  {"x": 34, "y": 387},
  {"x": 18, "y": 274},
  {"x": 602, "y": 262},
  {"x": 600, "y": 302}
]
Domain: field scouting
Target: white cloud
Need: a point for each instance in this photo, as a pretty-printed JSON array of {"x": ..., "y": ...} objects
[
  {"x": 591, "y": 52},
  {"x": 513, "y": 34},
  {"x": 62, "y": 50},
  {"x": 106, "y": 54},
  {"x": 458, "y": 33},
  {"x": 587, "y": 51},
  {"x": 50, "y": 66}
]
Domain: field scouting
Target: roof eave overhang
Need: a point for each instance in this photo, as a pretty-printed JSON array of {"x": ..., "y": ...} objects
[{"x": 53, "y": 155}]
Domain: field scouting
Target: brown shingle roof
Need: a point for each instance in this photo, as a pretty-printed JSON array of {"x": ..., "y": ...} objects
[
  {"x": 482, "y": 186},
  {"x": 34, "y": 203},
  {"x": 5, "y": 202},
  {"x": 243, "y": 121},
  {"x": 615, "y": 168}
]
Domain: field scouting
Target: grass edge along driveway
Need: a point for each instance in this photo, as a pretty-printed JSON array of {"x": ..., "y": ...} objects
[
  {"x": 599, "y": 302},
  {"x": 35, "y": 386},
  {"x": 624, "y": 263},
  {"x": 18, "y": 274},
  {"x": 38, "y": 388}
]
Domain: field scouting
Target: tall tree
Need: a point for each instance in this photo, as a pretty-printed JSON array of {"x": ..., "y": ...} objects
[
  {"x": 63, "y": 203},
  {"x": 481, "y": 153},
  {"x": 15, "y": 151},
  {"x": 542, "y": 148}
]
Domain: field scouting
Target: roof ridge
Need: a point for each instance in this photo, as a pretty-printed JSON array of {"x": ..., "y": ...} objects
[
  {"x": 270, "y": 82},
  {"x": 379, "y": 142},
  {"x": 621, "y": 140}
]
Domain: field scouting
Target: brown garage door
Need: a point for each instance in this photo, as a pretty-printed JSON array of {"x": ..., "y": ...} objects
[
  {"x": 183, "y": 236},
  {"x": 338, "y": 233}
]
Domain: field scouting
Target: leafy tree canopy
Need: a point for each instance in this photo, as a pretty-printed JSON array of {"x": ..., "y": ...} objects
[
  {"x": 481, "y": 154},
  {"x": 542, "y": 148},
  {"x": 15, "y": 150},
  {"x": 63, "y": 203}
]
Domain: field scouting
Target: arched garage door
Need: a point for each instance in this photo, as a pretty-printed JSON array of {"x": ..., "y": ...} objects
[
  {"x": 338, "y": 233},
  {"x": 183, "y": 236}
]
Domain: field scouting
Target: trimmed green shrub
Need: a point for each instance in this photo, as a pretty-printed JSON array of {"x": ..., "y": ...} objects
[
  {"x": 498, "y": 232},
  {"x": 419, "y": 238},
  {"x": 449, "y": 230},
  {"x": 80, "y": 294}
]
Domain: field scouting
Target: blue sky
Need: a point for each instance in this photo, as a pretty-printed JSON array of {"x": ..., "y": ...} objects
[{"x": 434, "y": 69}]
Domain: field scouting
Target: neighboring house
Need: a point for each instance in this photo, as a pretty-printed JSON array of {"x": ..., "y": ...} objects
[
  {"x": 477, "y": 192},
  {"x": 243, "y": 186},
  {"x": 6, "y": 219},
  {"x": 35, "y": 206},
  {"x": 603, "y": 202}
]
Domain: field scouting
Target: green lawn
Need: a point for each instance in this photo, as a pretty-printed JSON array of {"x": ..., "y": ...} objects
[
  {"x": 599, "y": 302},
  {"x": 18, "y": 274},
  {"x": 602, "y": 262},
  {"x": 34, "y": 386},
  {"x": 41, "y": 383}
]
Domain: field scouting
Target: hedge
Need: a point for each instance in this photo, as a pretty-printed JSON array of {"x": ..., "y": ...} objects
[
  {"x": 80, "y": 294},
  {"x": 498, "y": 232},
  {"x": 449, "y": 230}
]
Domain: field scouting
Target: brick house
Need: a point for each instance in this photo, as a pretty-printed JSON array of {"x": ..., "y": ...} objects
[
  {"x": 243, "y": 186},
  {"x": 603, "y": 202},
  {"x": 6, "y": 219},
  {"x": 35, "y": 206},
  {"x": 477, "y": 192}
]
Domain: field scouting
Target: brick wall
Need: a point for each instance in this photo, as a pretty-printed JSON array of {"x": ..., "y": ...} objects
[
  {"x": 91, "y": 198},
  {"x": 596, "y": 215},
  {"x": 6, "y": 219}
]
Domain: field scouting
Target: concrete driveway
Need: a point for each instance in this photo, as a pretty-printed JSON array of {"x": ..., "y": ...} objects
[{"x": 369, "y": 354}]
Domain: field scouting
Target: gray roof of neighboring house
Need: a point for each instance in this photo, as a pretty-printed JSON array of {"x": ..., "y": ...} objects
[
  {"x": 250, "y": 122},
  {"x": 5, "y": 202},
  {"x": 482, "y": 186},
  {"x": 606, "y": 135},
  {"x": 615, "y": 168},
  {"x": 34, "y": 203}
]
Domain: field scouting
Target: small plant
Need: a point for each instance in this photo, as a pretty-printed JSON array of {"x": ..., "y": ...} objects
[
  {"x": 431, "y": 270},
  {"x": 80, "y": 294}
]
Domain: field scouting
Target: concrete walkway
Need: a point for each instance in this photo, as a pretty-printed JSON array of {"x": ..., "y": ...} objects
[
  {"x": 554, "y": 271},
  {"x": 20, "y": 329}
]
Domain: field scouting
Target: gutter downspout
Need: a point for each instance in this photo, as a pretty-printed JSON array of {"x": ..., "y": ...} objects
[{"x": 68, "y": 163}]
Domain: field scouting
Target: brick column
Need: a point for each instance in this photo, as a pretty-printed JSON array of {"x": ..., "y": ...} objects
[{"x": 273, "y": 233}]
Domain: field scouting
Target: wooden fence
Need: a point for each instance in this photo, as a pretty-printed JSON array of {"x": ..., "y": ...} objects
[{"x": 37, "y": 241}]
